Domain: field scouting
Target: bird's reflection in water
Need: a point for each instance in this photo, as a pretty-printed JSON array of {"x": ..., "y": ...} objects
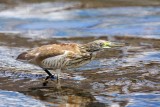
[{"x": 61, "y": 96}]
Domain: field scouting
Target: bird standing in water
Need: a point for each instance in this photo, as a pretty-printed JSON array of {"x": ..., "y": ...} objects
[{"x": 64, "y": 56}]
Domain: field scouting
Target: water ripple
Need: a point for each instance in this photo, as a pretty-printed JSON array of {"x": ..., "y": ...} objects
[{"x": 10, "y": 98}]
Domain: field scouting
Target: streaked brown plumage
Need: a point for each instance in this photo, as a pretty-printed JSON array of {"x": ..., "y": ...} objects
[
  {"x": 63, "y": 56},
  {"x": 69, "y": 51}
]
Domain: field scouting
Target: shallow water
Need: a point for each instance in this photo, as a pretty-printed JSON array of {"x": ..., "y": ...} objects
[
  {"x": 121, "y": 77},
  {"x": 10, "y": 98},
  {"x": 81, "y": 22}
]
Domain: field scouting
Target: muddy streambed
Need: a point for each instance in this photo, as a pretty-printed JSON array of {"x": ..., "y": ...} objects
[{"x": 120, "y": 77}]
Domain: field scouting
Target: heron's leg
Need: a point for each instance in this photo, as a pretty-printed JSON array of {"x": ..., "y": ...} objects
[
  {"x": 58, "y": 85},
  {"x": 58, "y": 73},
  {"x": 49, "y": 76}
]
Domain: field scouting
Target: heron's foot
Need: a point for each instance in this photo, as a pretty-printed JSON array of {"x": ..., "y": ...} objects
[
  {"x": 45, "y": 83},
  {"x": 52, "y": 77}
]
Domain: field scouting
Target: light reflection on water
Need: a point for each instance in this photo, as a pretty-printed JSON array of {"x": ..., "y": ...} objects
[
  {"x": 133, "y": 100},
  {"x": 82, "y": 22},
  {"x": 15, "y": 99},
  {"x": 46, "y": 21}
]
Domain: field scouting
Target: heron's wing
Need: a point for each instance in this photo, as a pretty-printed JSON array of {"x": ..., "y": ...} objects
[
  {"x": 47, "y": 51},
  {"x": 40, "y": 53}
]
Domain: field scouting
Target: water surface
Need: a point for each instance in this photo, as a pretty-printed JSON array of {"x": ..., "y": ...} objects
[{"x": 123, "y": 77}]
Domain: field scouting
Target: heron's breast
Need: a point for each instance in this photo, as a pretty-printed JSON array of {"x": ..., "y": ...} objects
[
  {"x": 78, "y": 62},
  {"x": 57, "y": 62}
]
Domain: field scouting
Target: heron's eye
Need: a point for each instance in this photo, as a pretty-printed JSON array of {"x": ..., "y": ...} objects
[{"x": 101, "y": 44}]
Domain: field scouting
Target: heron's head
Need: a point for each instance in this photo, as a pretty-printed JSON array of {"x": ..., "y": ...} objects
[{"x": 101, "y": 44}]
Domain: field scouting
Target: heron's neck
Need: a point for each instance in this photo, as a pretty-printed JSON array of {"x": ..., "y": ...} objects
[{"x": 88, "y": 48}]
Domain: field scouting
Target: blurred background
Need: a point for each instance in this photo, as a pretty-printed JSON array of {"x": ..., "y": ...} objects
[{"x": 120, "y": 77}]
